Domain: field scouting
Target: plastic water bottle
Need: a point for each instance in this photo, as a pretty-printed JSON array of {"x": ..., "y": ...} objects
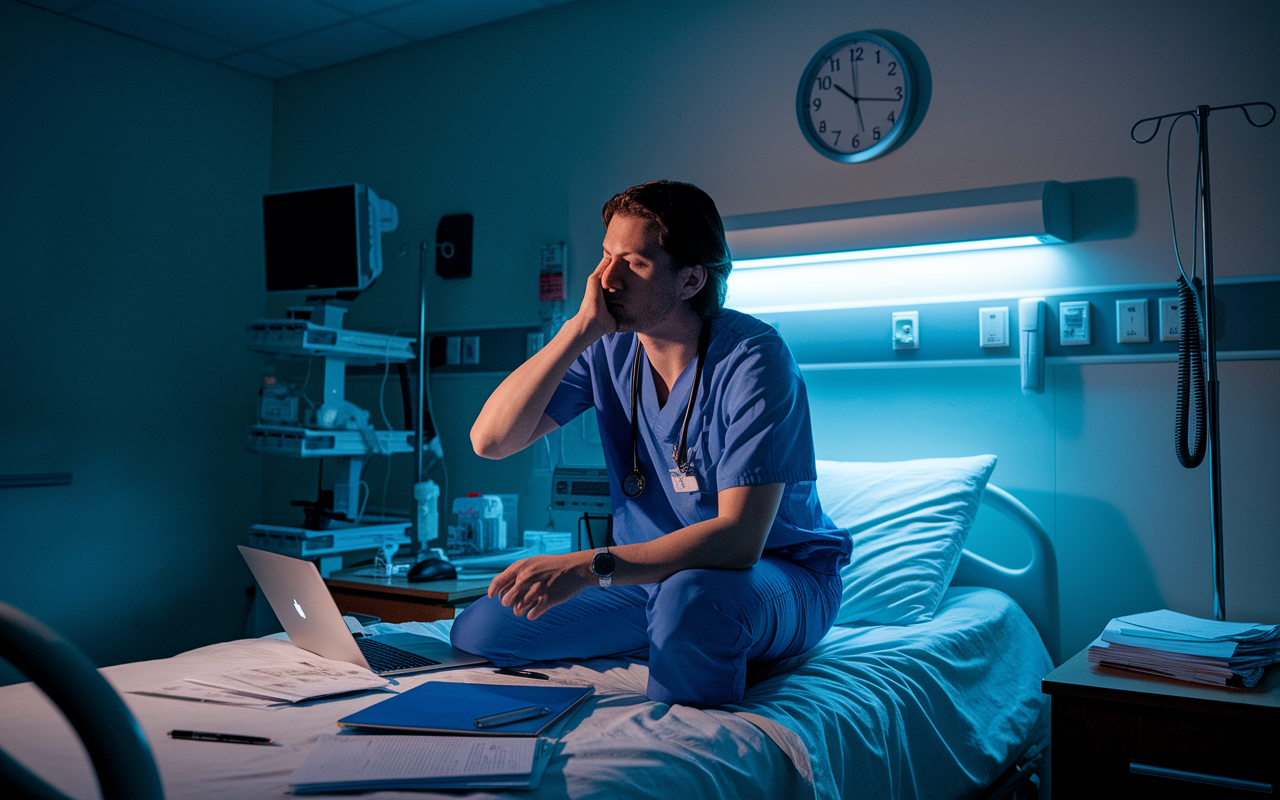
[
  {"x": 427, "y": 494},
  {"x": 493, "y": 524}
]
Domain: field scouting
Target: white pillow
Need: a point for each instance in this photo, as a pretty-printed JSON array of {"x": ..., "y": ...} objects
[{"x": 908, "y": 521}]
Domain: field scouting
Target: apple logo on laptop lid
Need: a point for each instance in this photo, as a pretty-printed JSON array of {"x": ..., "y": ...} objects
[{"x": 299, "y": 609}]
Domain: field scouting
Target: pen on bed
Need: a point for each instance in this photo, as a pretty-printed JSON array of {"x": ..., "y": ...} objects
[
  {"x": 232, "y": 738},
  {"x": 520, "y": 673},
  {"x": 508, "y": 717}
]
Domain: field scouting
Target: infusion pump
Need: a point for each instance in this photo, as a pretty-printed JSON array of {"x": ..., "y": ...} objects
[{"x": 581, "y": 490}]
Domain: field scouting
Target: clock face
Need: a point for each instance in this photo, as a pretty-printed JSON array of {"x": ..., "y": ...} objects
[{"x": 857, "y": 98}]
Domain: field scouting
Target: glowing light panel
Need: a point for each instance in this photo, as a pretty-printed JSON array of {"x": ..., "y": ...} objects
[{"x": 886, "y": 252}]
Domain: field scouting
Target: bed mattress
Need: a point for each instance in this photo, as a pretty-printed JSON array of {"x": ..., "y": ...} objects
[{"x": 937, "y": 709}]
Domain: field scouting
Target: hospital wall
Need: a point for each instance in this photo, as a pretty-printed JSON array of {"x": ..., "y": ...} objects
[
  {"x": 130, "y": 250},
  {"x": 532, "y": 123}
]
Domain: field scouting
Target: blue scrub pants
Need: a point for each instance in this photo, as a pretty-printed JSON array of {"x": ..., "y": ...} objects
[{"x": 700, "y": 627}]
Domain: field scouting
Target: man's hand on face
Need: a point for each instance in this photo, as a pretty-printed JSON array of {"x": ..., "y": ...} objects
[
  {"x": 533, "y": 585},
  {"x": 594, "y": 311}
]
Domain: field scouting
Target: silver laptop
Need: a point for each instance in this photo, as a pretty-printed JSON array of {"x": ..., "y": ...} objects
[{"x": 305, "y": 608}]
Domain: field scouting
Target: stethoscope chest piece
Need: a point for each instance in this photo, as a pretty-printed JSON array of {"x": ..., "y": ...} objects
[{"x": 633, "y": 483}]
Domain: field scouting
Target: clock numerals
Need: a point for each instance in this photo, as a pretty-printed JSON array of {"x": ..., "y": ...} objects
[{"x": 872, "y": 100}]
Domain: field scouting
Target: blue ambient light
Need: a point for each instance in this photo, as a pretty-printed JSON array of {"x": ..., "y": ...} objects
[{"x": 887, "y": 252}]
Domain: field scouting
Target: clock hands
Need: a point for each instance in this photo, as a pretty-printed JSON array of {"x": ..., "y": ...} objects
[
  {"x": 866, "y": 99},
  {"x": 856, "y": 105}
]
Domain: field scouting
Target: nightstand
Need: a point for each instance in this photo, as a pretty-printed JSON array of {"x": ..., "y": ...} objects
[
  {"x": 398, "y": 600},
  {"x": 1118, "y": 734}
]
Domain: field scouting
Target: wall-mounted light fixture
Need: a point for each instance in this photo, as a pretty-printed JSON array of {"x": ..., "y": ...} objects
[
  {"x": 974, "y": 219},
  {"x": 820, "y": 240}
]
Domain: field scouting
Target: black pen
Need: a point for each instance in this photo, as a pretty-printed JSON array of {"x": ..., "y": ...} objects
[
  {"x": 232, "y": 738},
  {"x": 508, "y": 717},
  {"x": 520, "y": 673}
]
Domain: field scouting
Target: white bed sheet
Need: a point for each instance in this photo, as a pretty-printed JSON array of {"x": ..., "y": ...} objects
[{"x": 932, "y": 710}]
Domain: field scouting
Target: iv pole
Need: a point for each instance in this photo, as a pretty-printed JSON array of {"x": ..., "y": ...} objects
[{"x": 1210, "y": 332}]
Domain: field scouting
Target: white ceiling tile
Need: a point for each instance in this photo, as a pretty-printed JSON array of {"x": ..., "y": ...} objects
[
  {"x": 335, "y": 45},
  {"x": 426, "y": 19},
  {"x": 260, "y": 65},
  {"x": 149, "y": 29},
  {"x": 248, "y": 23}
]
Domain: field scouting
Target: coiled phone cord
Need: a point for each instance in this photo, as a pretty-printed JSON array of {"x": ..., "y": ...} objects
[
  {"x": 1190, "y": 405},
  {"x": 1191, "y": 393}
]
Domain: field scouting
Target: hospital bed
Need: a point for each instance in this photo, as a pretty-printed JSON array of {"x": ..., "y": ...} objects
[{"x": 928, "y": 688}]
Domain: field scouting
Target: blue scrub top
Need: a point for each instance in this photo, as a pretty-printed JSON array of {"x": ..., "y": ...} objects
[{"x": 750, "y": 426}]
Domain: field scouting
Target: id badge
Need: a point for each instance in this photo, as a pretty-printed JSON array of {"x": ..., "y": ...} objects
[{"x": 684, "y": 480}]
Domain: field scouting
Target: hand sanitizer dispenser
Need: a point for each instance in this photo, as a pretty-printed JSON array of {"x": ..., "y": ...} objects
[{"x": 1031, "y": 343}]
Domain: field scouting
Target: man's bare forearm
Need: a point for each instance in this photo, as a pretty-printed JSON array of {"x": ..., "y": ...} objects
[{"x": 512, "y": 417}]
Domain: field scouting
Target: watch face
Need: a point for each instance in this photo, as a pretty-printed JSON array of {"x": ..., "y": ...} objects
[
  {"x": 603, "y": 565},
  {"x": 856, "y": 98}
]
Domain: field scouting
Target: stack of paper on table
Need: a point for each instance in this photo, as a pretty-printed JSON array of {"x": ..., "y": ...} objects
[{"x": 1188, "y": 648}]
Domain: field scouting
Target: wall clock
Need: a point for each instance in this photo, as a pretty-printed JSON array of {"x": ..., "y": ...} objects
[{"x": 862, "y": 95}]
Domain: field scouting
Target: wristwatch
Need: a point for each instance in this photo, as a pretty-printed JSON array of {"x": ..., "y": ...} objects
[{"x": 603, "y": 566}]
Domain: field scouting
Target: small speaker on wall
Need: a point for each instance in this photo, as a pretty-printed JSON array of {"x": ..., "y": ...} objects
[{"x": 453, "y": 246}]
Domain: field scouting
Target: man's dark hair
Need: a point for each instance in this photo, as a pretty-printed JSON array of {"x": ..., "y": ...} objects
[{"x": 689, "y": 229}]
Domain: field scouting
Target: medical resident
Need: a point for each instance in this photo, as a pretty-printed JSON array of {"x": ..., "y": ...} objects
[{"x": 722, "y": 558}]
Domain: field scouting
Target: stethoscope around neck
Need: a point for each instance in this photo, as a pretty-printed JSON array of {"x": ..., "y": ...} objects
[{"x": 633, "y": 482}]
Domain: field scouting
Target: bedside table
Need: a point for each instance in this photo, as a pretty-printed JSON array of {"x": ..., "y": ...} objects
[
  {"x": 397, "y": 600},
  {"x": 1120, "y": 734}
]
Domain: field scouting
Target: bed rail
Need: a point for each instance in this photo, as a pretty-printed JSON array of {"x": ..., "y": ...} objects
[{"x": 1034, "y": 586}]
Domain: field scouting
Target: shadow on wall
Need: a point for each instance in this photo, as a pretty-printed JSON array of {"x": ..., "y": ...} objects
[
  {"x": 1103, "y": 570},
  {"x": 1103, "y": 209}
]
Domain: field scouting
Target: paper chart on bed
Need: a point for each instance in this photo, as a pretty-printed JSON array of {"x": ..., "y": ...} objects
[
  {"x": 350, "y": 763},
  {"x": 272, "y": 684}
]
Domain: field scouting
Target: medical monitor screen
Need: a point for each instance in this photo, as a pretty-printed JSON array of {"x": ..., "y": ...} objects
[{"x": 317, "y": 240}]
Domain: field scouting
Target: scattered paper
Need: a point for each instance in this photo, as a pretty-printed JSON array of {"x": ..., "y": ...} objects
[
  {"x": 346, "y": 763},
  {"x": 286, "y": 682}
]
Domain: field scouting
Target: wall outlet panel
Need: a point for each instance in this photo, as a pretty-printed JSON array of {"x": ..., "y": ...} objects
[
  {"x": 490, "y": 349},
  {"x": 906, "y": 330},
  {"x": 1074, "y": 329},
  {"x": 993, "y": 326},
  {"x": 470, "y": 349},
  {"x": 856, "y": 335},
  {"x": 1131, "y": 321},
  {"x": 1170, "y": 319}
]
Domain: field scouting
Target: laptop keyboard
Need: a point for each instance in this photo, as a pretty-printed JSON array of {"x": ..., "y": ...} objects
[{"x": 385, "y": 658}]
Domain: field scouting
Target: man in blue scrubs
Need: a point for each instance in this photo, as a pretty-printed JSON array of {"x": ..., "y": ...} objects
[{"x": 722, "y": 556}]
